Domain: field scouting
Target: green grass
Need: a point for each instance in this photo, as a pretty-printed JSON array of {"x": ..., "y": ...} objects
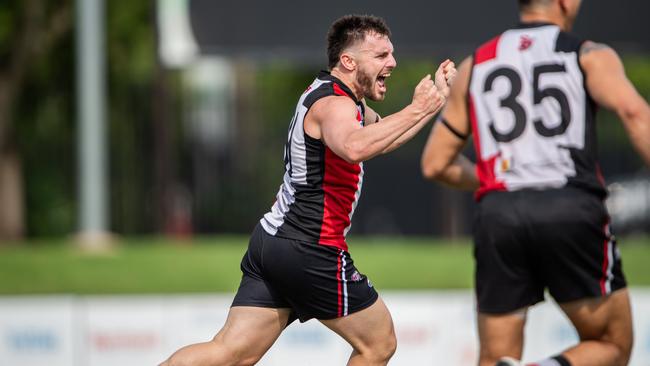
[{"x": 212, "y": 265}]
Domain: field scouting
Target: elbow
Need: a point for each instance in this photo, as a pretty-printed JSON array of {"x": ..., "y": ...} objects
[
  {"x": 635, "y": 115},
  {"x": 630, "y": 113},
  {"x": 430, "y": 170},
  {"x": 354, "y": 153}
]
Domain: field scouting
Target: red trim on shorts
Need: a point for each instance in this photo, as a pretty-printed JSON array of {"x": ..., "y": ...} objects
[
  {"x": 603, "y": 280},
  {"x": 484, "y": 168},
  {"x": 487, "y": 51},
  {"x": 339, "y": 310},
  {"x": 599, "y": 175}
]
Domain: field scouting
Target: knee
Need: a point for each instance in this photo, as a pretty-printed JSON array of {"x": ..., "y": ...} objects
[
  {"x": 620, "y": 343},
  {"x": 216, "y": 353},
  {"x": 389, "y": 347},
  {"x": 624, "y": 348},
  {"x": 381, "y": 351},
  {"x": 238, "y": 357}
]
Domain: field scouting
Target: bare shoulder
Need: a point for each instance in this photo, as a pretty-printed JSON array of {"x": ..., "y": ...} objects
[
  {"x": 597, "y": 55},
  {"x": 466, "y": 64},
  {"x": 464, "y": 70},
  {"x": 333, "y": 105},
  {"x": 327, "y": 109},
  {"x": 591, "y": 46}
]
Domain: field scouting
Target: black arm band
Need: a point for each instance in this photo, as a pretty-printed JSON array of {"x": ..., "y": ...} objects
[{"x": 453, "y": 130}]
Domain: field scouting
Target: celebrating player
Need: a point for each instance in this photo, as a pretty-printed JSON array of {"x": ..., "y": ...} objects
[{"x": 297, "y": 264}]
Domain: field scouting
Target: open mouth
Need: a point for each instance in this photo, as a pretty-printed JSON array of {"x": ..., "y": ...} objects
[{"x": 381, "y": 81}]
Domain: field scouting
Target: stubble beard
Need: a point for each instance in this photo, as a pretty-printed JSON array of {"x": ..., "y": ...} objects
[{"x": 366, "y": 83}]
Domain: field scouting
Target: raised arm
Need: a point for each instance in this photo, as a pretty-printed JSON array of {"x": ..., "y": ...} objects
[
  {"x": 441, "y": 159},
  {"x": 444, "y": 76},
  {"x": 333, "y": 119},
  {"x": 610, "y": 88}
]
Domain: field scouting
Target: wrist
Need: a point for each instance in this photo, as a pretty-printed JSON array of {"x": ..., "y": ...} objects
[{"x": 416, "y": 112}]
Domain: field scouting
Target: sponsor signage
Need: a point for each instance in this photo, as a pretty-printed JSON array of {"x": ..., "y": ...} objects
[{"x": 432, "y": 327}]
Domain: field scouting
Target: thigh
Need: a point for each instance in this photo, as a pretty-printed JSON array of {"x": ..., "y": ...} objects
[
  {"x": 253, "y": 328},
  {"x": 366, "y": 329},
  {"x": 505, "y": 276},
  {"x": 501, "y": 335},
  {"x": 606, "y": 319},
  {"x": 245, "y": 337}
]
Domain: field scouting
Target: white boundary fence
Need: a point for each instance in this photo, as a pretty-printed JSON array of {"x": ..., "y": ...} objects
[{"x": 433, "y": 328}]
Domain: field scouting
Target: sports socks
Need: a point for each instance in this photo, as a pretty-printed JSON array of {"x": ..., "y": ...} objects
[{"x": 558, "y": 360}]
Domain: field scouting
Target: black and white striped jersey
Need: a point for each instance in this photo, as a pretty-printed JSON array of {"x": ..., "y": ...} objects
[
  {"x": 320, "y": 190},
  {"x": 532, "y": 118}
]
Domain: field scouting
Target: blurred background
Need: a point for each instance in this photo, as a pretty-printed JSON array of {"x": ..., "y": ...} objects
[
  {"x": 157, "y": 126},
  {"x": 197, "y": 97}
]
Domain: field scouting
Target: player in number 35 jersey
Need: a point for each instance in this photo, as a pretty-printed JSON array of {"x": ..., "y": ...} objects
[
  {"x": 528, "y": 98},
  {"x": 532, "y": 118}
]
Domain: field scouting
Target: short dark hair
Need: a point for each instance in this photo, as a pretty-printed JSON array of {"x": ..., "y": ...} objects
[{"x": 349, "y": 29}]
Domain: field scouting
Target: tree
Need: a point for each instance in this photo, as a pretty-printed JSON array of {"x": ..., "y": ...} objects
[{"x": 29, "y": 29}]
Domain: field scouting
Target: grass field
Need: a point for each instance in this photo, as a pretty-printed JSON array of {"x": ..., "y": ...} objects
[{"x": 212, "y": 265}]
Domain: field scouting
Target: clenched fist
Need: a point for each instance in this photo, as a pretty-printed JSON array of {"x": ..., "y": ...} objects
[
  {"x": 427, "y": 98},
  {"x": 445, "y": 76}
]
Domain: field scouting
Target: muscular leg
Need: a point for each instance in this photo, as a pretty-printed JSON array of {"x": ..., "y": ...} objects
[
  {"x": 370, "y": 332},
  {"x": 605, "y": 329},
  {"x": 248, "y": 333},
  {"x": 500, "y": 335}
]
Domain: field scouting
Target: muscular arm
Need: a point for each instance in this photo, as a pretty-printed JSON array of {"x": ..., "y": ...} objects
[
  {"x": 441, "y": 159},
  {"x": 371, "y": 115},
  {"x": 333, "y": 119},
  {"x": 610, "y": 88},
  {"x": 445, "y": 74}
]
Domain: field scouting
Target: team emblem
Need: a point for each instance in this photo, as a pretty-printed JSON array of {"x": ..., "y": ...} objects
[{"x": 525, "y": 42}]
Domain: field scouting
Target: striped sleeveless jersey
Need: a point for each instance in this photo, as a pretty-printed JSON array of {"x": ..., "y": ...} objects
[
  {"x": 320, "y": 190},
  {"x": 533, "y": 120}
]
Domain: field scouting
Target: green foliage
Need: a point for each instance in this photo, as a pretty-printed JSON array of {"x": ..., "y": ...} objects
[
  {"x": 7, "y": 25},
  {"x": 45, "y": 128},
  {"x": 45, "y": 135}
]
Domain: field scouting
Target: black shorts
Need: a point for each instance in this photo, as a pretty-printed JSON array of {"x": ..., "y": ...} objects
[
  {"x": 530, "y": 240},
  {"x": 315, "y": 281}
]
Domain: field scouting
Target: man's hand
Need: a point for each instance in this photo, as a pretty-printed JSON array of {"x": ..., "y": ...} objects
[
  {"x": 427, "y": 98},
  {"x": 445, "y": 76}
]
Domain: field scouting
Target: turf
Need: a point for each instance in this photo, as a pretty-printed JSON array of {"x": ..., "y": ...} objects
[{"x": 151, "y": 265}]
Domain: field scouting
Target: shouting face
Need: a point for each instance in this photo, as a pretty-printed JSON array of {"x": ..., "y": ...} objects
[{"x": 375, "y": 62}]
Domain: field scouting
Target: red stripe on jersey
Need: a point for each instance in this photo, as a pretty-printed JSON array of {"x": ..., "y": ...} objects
[
  {"x": 338, "y": 90},
  {"x": 339, "y": 281},
  {"x": 340, "y": 185},
  {"x": 484, "y": 168},
  {"x": 487, "y": 51}
]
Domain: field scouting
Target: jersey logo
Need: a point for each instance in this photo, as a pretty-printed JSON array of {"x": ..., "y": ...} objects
[
  {"x": 525, "y": 42},
  {"x": 356, "y": 277}
]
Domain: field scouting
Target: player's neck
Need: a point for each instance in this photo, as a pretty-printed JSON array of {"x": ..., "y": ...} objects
[
  {"x": 348, "y": 79},
  {"x": 536, "y": 16}
]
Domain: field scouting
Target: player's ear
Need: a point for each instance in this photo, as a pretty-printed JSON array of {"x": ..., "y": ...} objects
[
  {"x": 565, "y": 7},
  {"x": 347, "y": 61}
]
